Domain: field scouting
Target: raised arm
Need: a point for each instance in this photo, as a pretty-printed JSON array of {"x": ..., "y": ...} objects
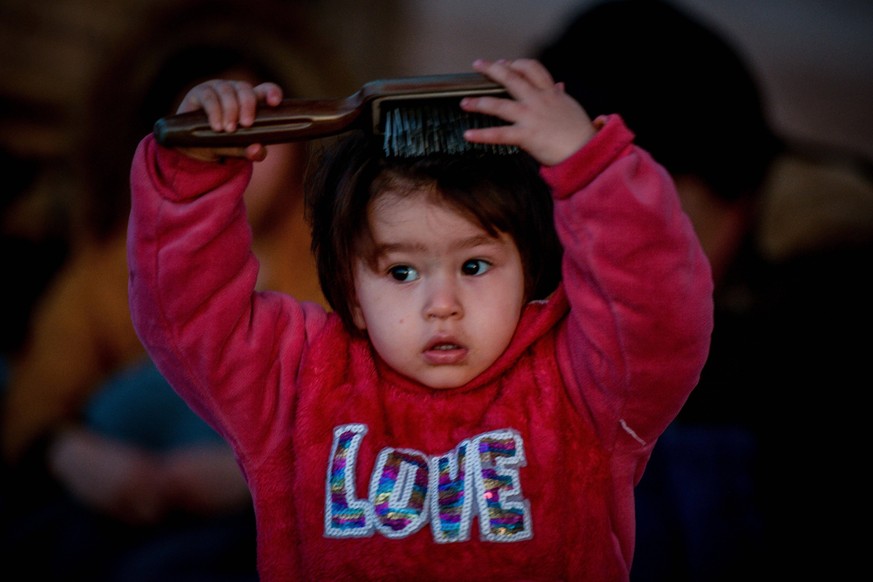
[{"x": 639, "y": 285}]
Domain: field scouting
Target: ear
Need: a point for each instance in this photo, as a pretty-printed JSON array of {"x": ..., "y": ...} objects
[{"x": 358, "y": 317}]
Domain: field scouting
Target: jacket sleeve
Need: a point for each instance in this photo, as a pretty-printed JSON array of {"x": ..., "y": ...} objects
[
  {"x": 223, "y": 346},
  {"x": 639, "y": 286}
]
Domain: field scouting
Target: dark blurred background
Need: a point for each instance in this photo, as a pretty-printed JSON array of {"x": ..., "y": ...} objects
[{"x": 815, "y": 56}]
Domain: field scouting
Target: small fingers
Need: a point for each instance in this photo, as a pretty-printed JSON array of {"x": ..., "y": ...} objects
[
  {"x": 269, "y": 93},
  {"x": 228, "y": 104},
  {"x": 534, "y": 72},
  {"x": 542, "y": 119},
  {"x": 505, "y": 135},
  {"x": 498, "y": 107},
  {"x": 202, "y": 97},
  {"x": 238, "y": 104},
  {"x": 516, "y": 75}
]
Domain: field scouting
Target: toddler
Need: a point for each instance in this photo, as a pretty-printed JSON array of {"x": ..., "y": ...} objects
[{"x": 509, "y": 335}]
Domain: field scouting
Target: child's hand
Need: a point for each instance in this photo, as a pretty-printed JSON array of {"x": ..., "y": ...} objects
[
  {"x": 544, "y": 121},
  {"x": 228, "y": 105}
]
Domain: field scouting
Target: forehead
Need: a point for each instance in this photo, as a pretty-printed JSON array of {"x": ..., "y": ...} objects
[
  {"x": 422, "y": 218},
  {"x": 413, "y": 204}
]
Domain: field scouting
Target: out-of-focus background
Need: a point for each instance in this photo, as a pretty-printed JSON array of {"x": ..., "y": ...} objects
[{"x": 815, "y": 57}]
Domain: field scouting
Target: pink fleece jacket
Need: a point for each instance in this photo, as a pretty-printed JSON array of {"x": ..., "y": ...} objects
[{"x": 358, "y": 473}]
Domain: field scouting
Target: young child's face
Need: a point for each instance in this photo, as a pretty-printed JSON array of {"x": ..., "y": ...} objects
[{"x": 444, "y": 298}]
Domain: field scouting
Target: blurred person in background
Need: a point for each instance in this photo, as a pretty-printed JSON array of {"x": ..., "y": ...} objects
[
  {"x": 749, "y": 478},
  {"x": 34, "y": 237},
  {"x": 107, "y": 473}
]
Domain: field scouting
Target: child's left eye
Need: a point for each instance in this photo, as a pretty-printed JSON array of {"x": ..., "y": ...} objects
[
  {"x": 475, "y": 267},
  {"x": 403, "y": 273}
]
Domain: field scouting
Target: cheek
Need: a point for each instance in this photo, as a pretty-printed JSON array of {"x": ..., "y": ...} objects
[
  {"x": 368, "y": 298},
  {"x": 500, "y": 318}
]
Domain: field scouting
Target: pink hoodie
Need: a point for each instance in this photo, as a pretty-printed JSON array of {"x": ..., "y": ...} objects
[{"x": 358, "y": 473}]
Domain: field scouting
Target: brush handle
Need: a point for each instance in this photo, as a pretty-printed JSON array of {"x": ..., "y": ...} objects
[
  {"x": 291, "y": 120},
  {"x": 300, "y": 119}
]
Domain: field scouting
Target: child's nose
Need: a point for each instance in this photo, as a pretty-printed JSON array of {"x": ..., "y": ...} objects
[{"x": 443, "y": 300}]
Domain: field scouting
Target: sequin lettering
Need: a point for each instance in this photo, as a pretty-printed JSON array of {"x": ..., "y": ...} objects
[{"x": 407, "y": 490}]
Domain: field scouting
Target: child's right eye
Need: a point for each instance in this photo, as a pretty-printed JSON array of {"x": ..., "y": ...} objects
[{"x": 403, "y": 273}]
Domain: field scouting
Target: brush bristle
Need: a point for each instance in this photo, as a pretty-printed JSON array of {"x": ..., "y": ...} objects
[{"x": 424, "y": 128}]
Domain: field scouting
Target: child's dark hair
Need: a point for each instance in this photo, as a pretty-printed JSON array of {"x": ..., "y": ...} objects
[{"x": 500, "y": 192}]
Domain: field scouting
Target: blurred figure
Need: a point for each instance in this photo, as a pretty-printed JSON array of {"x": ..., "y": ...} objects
[
  {"x": 108, "y": 474},
  {"x": 34, "y": 237},
  {"x": 737, "y": 479}
]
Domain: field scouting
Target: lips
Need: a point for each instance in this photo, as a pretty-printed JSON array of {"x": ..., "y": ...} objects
[{"x": 444, "y": 352}]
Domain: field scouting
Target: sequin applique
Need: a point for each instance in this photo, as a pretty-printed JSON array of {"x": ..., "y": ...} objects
[{"x": 479, "y": 477}]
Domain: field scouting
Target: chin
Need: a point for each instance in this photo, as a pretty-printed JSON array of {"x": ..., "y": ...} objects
[{"x": 445, "y": 381}]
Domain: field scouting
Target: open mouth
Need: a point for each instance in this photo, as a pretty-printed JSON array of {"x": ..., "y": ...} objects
[
  {"x": 446, "y": 347},
  {"x": 442, "y": 353}
]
